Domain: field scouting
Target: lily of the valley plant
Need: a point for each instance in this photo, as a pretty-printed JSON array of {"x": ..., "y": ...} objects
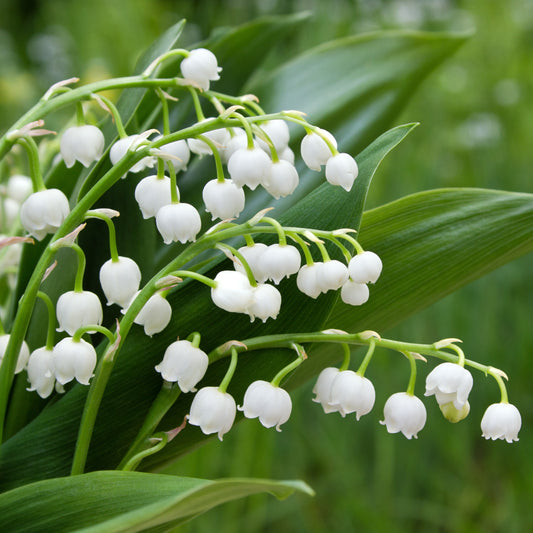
[{"x": 183, "y": 255}]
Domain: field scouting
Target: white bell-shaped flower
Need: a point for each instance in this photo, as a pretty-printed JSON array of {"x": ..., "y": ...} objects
[
  {"x": 249, "y": 166},
  {"x": 351, "y": 393},
  {"x": 341, "y": 169},
  {"x": 233, "y": 292},
  {"x": 287, "y": 155},
  {"x": 220, "y": 138},
  {"x": 271, "y": 404},
  {"x": 73, "y": 360},
  {"x": 43, "y": 212},
  {"x": 315, "y": 151},
  {"x": 152, "y": 193},
  {"x": 322, "y": 389},
  {"x": 214, "y": 411},
  {"x": 406, "y": 413},
  {"x": 121, "y": 147},
  {"x": 82, "y": 143},
  {"x": 253, "y": 256},
  {"x": 19, "y": 187},
  {"x": 354, "y": 293},
  {"x": 78, "y": 309},
  {"x": 120, "y": 280},
  {"x": 41, "y": 372},
  {"x": 178, "y": 222},
  {"x": 308, "y": 278},
  {"x": 278, "y": 132},
  {"x": 154, "y": 315},
  {"x": 223, "y": 199},
  {"x": 266, "y": 302},
  {"x": 449, "y": 382},
  {"x": 282, "y": 180},
  {"x": 200, "y": 67},
  {"x": 501, "y": 421},
  {"x": 332, "y": 275},
  {"x": 24, "y": 353},
  {"x": 183, "y": 363},
  {"x": 365, "y": 267},
  {"x": 179, "y": 149},
  {"x": 281, "y": 261},
  {"x": 9, "y": 213}
]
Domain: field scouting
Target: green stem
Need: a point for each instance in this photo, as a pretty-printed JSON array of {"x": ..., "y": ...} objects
[
  {"x": 412, "y": 376},
  {"x": 136, "y": 459},
  {"x": 358, "y": 248},
  {"x": 291, "y": 366},
  {"x": 174, "y": 191},
  {"x": 51, "y": 332},
  {"x": 80, "y": 116},
  {"x": 366, "y": 360},
  {"x": 117, "y": 119},
  {"x": 195, "y": 275},
  {"x": 78, "y": 283},
  {"x": 196, "y": 102},
  {"x": 216, "y": 154},
  {"x": 112, "y": 233},
  {"x": 93, "y": 328},
  {"x": 163, "y": 57},
  {"x": 248, "y": 129},
  {"x": 323, "y": 251},
  {"x": 303, "y": 245},
  {"x": 194, "y": 339},
  {"x": 347, "y": 357},
  {"x": 242, "y": 260},
  {"x": 231, "y": 370},
  {"x": 279, "y": 229},
  {"x": 35, "y": 167},
  {"x": 164, "y": 111},
  {"x": 501, "y": 385}
]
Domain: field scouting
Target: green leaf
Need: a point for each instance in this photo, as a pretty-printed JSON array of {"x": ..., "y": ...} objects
[{"x": 122, "y": 502}]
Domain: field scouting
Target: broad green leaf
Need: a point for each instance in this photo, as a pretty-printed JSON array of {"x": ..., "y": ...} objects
[{"x": 124, "y": 502}]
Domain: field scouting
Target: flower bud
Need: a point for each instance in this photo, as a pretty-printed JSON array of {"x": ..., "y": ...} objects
[
  {"x": 223, "y": 199},
  {"x": 322, "y": 389},
  {"x": 271, "y": 404},
  {"x": 280, "y": 261},
  {"x": 43, "y": 212},
  {"x": 449, "y": 382},
  {"x": 178, "y": 222},
  {"x": 41, "y": 373},
  {"x": 365, "y": 267},
  {"x": 82, "y": 143},
  {"x": 501, "y": 421},
  {"x": 406, "y": 413},
  {"x": 152, "y": 193},
  {"x": 350, "y": 393},
  {"x": 315, "y": 151},
  {"x": 282, "y": 180},
  {"x": 154, "y": 315},
  {"x": 120, "y": 280},
  {"x": 341, "y": 169},
  {"x": 253, "y": 256},
  {"x": 73, "y": 360},
  {"x": 200, "y": 67},
  {"x": 121, "y": 147},
  {"x": 266, "y": 302},
  {"x": 249, "y": 166},
  {"x": 214, "y": 411},
  {"x": 78, "y": 309},
  {"x": 354, "y": 293},
  {"x": 183, "y": 363},
  {"x": 19, "y": 187},
  {"x": 308, "y": 277},
  {"x": 23, "y": 356},
  {"x": 233, "y": 292},
  {"x": 452, "y": 413}
]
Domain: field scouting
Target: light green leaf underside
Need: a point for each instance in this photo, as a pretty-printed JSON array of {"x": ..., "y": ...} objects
[{"x": 124, "y": 502}]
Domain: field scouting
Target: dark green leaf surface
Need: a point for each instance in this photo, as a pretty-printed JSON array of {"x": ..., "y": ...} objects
[{"x": 105, "y": 502}]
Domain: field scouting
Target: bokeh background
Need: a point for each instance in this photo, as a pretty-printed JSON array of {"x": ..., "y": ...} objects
[{"x": 476, "y": 115}]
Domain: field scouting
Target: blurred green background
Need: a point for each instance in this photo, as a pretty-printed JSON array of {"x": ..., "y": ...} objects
[{"x": 476, "y": 131}]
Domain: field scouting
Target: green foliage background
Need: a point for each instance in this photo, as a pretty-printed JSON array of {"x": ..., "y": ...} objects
[{"x": 476, "y": 131}]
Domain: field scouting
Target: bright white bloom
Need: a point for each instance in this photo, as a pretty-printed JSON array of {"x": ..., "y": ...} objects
[
  {"x": 282, "y": 180},
  {"x": 233, "y": 292},
  {"x": 271, "y": 404},
  {"x": 308, "y": 277},
  {"x": 278, "y": 132},
  {"x": 220, "y": 138},
  {"x": 183, "y": 363},
  {"x": 121, "y": 147},
  {"x": 120, "y": 280},
  {"x": 179, "y": 149},
  {"x": 315, "y": 152},
  {"x": 200, "y": 67},
  {"x": 354, "y": 293},
  {"x": 279, "y": 261},
  {"x": 78, "y": 309},
  {"x": 24, "y": 353},
  {"x": 322, "y": 389},
  {"x": 249, "y": 166},
  {"x": 19, "y": 187},
  {"x": 223, "y": 199},
  {"x": 9, "y": 212},
  {"x": 178, "y": 222},
  {"x": 73, "y": 360},
  {"x": 449, "y": 382},
  {"x": 43, "y": 212},
  {"x": 152, "y": 193},
  {"x": 266, "y": 302},
  {"x": 365, "y": 267},
  {"x": 82, "y": 143},
  {"x": 287, "y": 155},
  {"x": 332, "y": 275},
  {"x": 341, "y": 169},
  {"x": 406, "y": 413},
  {"x": 41, "y": 373},
  {"x": 253, "y": 256},
  {"x": 351, "y": 393},
  {"x": 501, "y": 421},
  {"x": 214, "y": 411},
  {"x": 154, "y": 315}
]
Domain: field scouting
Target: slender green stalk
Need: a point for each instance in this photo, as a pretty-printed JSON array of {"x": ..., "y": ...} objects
[
  {"x": 35, "y": 167},
  {"x": 285, "y": 371},
  {"x": 368, "y": 357},
  {"x": 501, "y": 385},
  {"x": 80, "y": 272},
  {"x": 51, "y": 331},
  {"x": 132, "y": 463},
  {"x": 113, "y": 251},
  {"x": 412, "y": 376},
  {"x": 231, "y": 370},
  {"x": 242, "y": 260},
  {"x": 347, "y": 357},
  {"x": 117, "y": 119},
  {"x": 216, "y": 155}
]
